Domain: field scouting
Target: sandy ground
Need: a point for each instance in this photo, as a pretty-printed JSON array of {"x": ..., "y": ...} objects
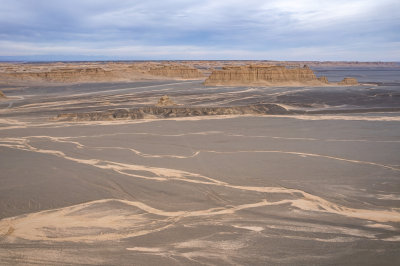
[{"x": 248, "y": 190}]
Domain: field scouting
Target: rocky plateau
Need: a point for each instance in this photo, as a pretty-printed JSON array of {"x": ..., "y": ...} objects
[
  {"x": 267, "y": 75},
  {"x": 178, "y": 71}
]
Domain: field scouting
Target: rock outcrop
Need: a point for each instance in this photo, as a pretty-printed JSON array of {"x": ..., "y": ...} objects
[
  {"x": 2, "y": 96},
  {"x": 95, "y": 72},
  {"x": 323, "y": 79},
  {"x": 64, "y": 75},
  {"x": 166, "y": 112},
  {"x": 263, "y": 75},
  {"x": 349, "y": 81},
  {"x": 153, "y": 112},
  {"x": 85, "y": 72},
  {"x": 183, "y": 72},
  {"x": 165, "y": 101}
]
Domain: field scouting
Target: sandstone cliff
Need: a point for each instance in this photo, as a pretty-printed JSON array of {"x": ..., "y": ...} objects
[
  {"x": 62, "y": 75},
  {"x": 232, "y": 73},
  {"x": 263, "y": 75},
  {"x": 74, "y": 72},
  {"x": 349, "y": 81},
  {"x": 180, "y": 71}
]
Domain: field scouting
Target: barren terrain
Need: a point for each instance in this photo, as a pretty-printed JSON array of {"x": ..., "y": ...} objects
[{"x": 226, "y": 175}]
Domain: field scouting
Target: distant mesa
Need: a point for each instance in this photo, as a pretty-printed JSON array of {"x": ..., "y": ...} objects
[
  {"x": 88, "y": 72},
  {"x": 349, "y": 81},
  {"x": 178, "y": 71},
  {"x": 262, "y": 75},
  {"x": 61, "y": 75},
  {"x": 165, "y": 101},
  {"x": 233, "y": 73},
  {"x": 267, "y": 75}
]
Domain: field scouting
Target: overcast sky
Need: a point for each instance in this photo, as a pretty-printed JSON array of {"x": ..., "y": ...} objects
[{"x": 363, "y": 30}]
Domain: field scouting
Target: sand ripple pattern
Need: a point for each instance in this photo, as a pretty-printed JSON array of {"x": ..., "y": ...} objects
[{"x": 95, "y": 221}]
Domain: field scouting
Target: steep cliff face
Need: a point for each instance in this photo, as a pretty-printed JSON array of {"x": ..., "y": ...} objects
[
  {"x": 263, "y": 75},
  {"x": 166, "y": 112},
  {"x": 63, "y": 75},
  {"x": 349, "y": 81},
  {"x": 184, "y": 72},
  {"x": 74, "y": 72}
]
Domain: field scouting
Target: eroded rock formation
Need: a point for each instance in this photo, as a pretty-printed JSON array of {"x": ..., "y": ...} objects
[
  {"x": 165, "y": 101},
  {"x": 233, "y": 72},
  {"x": 349, "y": 81},
  {"x": 95, "y": 72},
  {"x": 180, "y": 71},
  {"x": 74, "y": 72},
  {"x": 263, "y": 75},
  {"x": 63, "y": 75},
  {"x": 323, "y": 79},
  {"x": 165, "y": 112}
]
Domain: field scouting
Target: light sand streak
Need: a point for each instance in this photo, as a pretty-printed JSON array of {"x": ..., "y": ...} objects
[
  {"x": 194, "y": 154},
  {"x": 308, "y": 202},
  {"x": 75, "y": 224}
]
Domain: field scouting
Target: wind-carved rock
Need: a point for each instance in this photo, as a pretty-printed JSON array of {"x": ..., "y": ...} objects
[
  {"x": 323, "y": 79},
  {"x": 64, "y": 75},
  {"x": 269, "y": 75},
  {"x": 349, "y": 81},
  {"x": 263, "y": 75},
  {"x": 172, "y": 111},
  {"x": 165, "y": 101},
  {"x": 184, "y": 72}
]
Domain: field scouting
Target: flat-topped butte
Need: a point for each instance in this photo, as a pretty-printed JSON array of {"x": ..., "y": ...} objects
[{"x": 267, "y": 75}]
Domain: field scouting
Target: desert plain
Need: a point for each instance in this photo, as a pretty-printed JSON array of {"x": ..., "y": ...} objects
[{"x": 95, "y": 169}]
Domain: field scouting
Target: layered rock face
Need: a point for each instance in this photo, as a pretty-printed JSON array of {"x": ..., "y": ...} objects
[
  {"x": 262, "y": 75},
  {"x": 93, "y": 72},
  {"x": 64, "y": 75},
  {"x": 232, "y": 73},
  {"x": 182, "y": 71},
  {"x": 349, "y": 81},
  {"x": 166, "y": 112}
]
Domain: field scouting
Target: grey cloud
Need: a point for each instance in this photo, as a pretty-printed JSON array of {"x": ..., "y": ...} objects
[{"x": 230, "y": 25}]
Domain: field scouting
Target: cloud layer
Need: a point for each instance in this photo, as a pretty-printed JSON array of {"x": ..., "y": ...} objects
[{"x": 186, "y": 29}]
